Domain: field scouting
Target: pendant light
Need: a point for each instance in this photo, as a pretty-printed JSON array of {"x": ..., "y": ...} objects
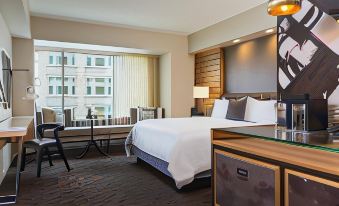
[{"x": 283, "y": 7}]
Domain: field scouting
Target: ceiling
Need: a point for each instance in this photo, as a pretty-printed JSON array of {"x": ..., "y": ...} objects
[
  {"x": 177, "y": 16},
  {"x": 16, "y": 15}
]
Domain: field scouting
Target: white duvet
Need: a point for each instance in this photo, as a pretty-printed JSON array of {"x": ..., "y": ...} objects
[{"x": 185, "y": 143}]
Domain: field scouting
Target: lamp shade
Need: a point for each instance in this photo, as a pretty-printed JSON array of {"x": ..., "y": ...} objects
[
  {"x": 201, "y": 92},
  {"x": 283, "y": 7}
]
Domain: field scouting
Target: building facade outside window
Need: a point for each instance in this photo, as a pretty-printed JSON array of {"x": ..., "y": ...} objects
[
  {"x": 99, "y": 86},
  {"x": 55, "y": 85},
  {"x": 55, "y": 59},
  {"x": 99, "y": 61}
]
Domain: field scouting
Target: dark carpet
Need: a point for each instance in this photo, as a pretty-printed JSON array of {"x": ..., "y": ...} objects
[{"x": 98, "y": 180}]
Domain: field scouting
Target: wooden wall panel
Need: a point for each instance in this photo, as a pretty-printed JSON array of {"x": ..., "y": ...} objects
[{"x": 209, "y": 71}]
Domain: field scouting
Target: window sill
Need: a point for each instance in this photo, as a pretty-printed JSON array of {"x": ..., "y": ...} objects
[
  {"x": 53, "y": 95},
  {"x": 97, "y": 67},
  {"x": 56, "y": 65},
  {"x": 97, "y": 95}
]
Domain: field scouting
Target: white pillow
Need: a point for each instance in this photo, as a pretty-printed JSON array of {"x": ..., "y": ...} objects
[
  {"x": 220, "y": 108},
  {"x": 260, "y": 111}
]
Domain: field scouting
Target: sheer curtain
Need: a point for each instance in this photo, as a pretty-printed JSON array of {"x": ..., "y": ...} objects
[{"x": 135, "y": 83}]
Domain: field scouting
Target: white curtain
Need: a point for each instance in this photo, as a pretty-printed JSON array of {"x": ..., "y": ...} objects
[{"x": 135, "y": 83}]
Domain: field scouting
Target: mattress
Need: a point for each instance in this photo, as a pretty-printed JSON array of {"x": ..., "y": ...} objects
[{"x": 184, "y": 143}]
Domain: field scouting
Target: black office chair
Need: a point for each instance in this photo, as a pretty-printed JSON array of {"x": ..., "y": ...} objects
[{"x": 41, "y": 145}]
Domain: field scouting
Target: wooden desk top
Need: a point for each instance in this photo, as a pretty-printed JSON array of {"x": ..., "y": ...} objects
[
  {"x": 15, "y": 126},
  {"x": 320, "y": 160}
]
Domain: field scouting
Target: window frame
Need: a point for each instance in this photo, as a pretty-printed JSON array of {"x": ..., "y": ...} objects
[
  {"x": 93, "y": 85},
  {"x": 91, "y": 61},
  {"x": 57, "y": 59},
  {"x": 57, "y": 88}
]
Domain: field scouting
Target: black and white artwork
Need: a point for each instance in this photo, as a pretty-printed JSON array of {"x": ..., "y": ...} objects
[
  {"x": 5, "y": 85},
  {"x": 308, "y": 54}
]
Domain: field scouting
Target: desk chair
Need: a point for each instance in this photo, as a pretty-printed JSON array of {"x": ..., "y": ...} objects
[{"x": 41, "y": 146}]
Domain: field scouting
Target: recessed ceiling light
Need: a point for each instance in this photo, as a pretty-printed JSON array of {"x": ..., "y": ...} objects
[
  {"x": 269, "y": 30},
  {"x": 236, "y": 41}
]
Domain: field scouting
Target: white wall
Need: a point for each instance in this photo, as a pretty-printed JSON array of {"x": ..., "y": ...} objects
[
  {"x": 6, "y": 44},
  {"x": 23, "y": 58},
  {"x": 165, "y": 82},
  {"x": 179, "y": 64},
  {"x": 244, "y": 24},
  {"x": 5, "y": 37}
]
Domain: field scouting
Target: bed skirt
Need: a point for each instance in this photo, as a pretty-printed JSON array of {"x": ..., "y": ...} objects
[{"x": 160, "y": 164}]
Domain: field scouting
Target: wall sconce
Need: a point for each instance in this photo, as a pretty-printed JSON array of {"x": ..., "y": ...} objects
[
  {"x": 30, "y": 93},
  {"x": 283, "y": 7}
]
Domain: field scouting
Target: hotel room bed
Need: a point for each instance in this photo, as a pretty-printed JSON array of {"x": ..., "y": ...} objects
[{"x": 178, "y": 147}]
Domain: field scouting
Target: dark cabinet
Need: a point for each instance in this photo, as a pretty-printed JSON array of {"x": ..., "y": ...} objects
[
  {"x": 242, "y": 181},
  {"x": 304, "y": 189}
]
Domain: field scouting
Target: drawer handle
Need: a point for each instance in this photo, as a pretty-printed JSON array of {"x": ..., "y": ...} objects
[{"x": 242, "y": 174}]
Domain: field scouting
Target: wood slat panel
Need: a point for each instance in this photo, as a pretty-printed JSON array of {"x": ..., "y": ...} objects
[
  {"x": 215, "y": 90},
  {"x": 215, "y": 96},
  {"x": 209, "y": 69},
  {"x": 209, "y": 79},
  {"x": 210, "y": 84},
  {"x": 209, "y": 101},
  {"x": 206, "y": 53},
  {"x": 208, "y": 63},
  {"x": 208, "y": 58},
  {"x": 207, "y": 74},
  {"x": 222, "y": 71}
]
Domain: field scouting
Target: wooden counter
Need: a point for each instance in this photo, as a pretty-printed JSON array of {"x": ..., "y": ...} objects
[
  {"x": 14, "y": 130},
  {"x": 231, "y": 148}
]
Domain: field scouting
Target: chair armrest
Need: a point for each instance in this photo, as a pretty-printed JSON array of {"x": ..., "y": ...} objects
[{"x": 55, "y": 126}]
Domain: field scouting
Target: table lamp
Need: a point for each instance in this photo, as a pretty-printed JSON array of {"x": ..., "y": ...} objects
[{"x": 199, "y": 93}]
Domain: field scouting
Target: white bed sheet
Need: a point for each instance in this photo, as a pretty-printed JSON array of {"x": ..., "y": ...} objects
[{"x": 185, "y": 143}]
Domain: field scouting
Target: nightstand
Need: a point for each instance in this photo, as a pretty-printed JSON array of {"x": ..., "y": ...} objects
[{"x": 197, "y": 114}]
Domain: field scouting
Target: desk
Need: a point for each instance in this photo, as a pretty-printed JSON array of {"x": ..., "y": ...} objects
[{"x": 13, "y": 130}]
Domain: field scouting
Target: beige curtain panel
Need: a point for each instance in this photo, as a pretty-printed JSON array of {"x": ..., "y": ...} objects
[{"x": 135, "y": 83}]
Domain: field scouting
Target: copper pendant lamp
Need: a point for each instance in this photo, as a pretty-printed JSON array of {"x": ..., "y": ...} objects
[{"x": 283, "y": 7}]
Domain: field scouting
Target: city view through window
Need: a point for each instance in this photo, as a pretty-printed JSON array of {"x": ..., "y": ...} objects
[{"x": 74, "y": 83}]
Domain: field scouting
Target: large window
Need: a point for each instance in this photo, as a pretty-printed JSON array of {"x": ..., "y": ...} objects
[
  {"x": 99, "y": 61},
  {"x": 99, "y": 86},
  {"x": 55, "y": 59},
  {"x": 55, "y": 85},
  {"x": 108, "y": 86}
]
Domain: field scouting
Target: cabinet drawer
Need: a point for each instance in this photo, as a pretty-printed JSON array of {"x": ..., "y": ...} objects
[
  {"x": 304, "y": 189},
  {"x": 242, "y": 181}
]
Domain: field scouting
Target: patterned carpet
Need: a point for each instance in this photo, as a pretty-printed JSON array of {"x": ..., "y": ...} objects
[{"x": 98, "y": 180}]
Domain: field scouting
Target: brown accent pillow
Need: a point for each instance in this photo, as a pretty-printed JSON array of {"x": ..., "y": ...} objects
[{"x": 236, "y": 109}]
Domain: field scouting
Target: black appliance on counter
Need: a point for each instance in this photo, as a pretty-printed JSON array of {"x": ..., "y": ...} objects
[{"x": 299, "y": 112}]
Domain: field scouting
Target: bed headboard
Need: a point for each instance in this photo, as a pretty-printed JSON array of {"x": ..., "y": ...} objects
[{"x": 261, "y": 95}]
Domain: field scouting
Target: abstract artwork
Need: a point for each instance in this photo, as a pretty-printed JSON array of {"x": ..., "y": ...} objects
[
  {"x": 308, "y": 54},
  {"x": 5, "y": 85}
]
